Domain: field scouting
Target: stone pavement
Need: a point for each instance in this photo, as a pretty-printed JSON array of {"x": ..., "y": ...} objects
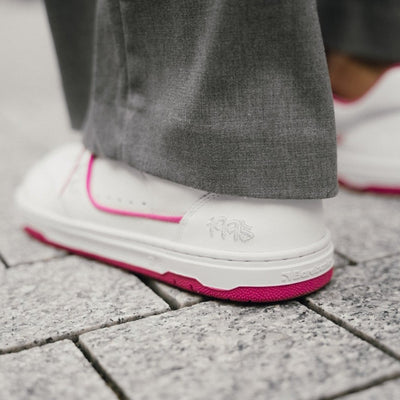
[{"x": 77, "y": 329}]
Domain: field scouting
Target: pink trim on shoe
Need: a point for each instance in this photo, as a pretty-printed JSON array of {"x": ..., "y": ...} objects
[
  {"x": 240, "y": 294},
  {"x": 166, "y": 218},
  {"x": 370, "y": 188}
]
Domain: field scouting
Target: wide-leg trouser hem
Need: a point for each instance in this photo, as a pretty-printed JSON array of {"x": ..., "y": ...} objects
[{"x": 256, "y": 181}]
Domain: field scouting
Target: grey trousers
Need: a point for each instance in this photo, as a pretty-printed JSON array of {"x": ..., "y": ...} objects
[{"x": 228, "y": 96}]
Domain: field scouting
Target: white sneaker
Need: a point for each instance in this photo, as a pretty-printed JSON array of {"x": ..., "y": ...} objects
[
  {"x": 369, "y": 137},
  {"x": 234, "y": 248}
]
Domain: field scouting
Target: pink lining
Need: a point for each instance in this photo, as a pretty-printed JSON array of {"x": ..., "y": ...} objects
[
  {"x": 166, "y": 218},
  {"x": 242, "y": 294},
  {"x": 371, "y": 188}
]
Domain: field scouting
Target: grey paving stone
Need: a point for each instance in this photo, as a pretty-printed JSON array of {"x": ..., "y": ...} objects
[
  {"x": 366, "y": 296},
  {"x": 48, "y": 301},
  {"x": 51, "y": 372},
  {"x": 19, "y": 248},
  {"x": 387, "y": 391},
  {"x": 176, "y": 297},
  {"x": 222, "y": 351},
  {"x": 364, "y": 226}
]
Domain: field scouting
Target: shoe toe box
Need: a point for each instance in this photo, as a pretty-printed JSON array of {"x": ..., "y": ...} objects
[{"x": 45, "y": 181}]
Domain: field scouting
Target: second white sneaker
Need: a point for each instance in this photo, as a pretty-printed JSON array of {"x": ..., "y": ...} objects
[{"x": 369, "y": 137}]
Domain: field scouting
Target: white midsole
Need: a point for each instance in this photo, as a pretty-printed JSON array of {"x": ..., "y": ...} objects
[
  {"x": 215, "y": 272},
  {"x": 366, "y": 170}
]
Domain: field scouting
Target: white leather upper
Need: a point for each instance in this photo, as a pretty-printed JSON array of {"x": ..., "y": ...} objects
[
  {"x": 49, "y": 177},
  {"x": 382, "y": 99},
  {"x": 378, "y": 137},
  {"x": 253, "y": 225},
  {"x": 135, "y": 191},
  {"x": 213, "y": 223}
]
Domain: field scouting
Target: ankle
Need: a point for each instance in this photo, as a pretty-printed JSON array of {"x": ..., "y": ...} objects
[{"x": 351, "y": 77}]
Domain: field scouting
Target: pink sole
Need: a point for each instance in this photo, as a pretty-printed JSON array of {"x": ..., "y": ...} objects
[
  {"x": 372, "y": 189},
  {"x": 240, "y": 294}
]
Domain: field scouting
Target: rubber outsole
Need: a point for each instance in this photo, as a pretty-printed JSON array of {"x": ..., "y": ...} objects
[
  {"x": 365, "y": 173},
  {"x": 239, "y": 294}
]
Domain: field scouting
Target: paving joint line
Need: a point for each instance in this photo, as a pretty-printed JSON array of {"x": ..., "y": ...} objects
[
  {"x": 396, "y": 253},
  {"x": 353, "y": 330},
  {"x": 360, "y": 388},
  {"x": 168, "y": 299},
  {"x": 101, "y": 371},
  {"x": 147, "y": 282},
  {"x": 42, "y": 260},
  {"x": 3, "y": 260},
  {"x": 43, "y": 342},
  {"x": 350, "y": 260}
]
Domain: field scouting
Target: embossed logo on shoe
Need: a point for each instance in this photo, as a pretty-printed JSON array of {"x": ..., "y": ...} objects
[
  {"x": 289, "y": 277},
  {"x": 230, "y": 229}
]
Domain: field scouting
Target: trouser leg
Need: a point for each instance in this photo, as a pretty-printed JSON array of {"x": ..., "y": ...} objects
[
  {"x": 363, "y": 28},
  {"x": 72, "y": 26},
  {"x": 226, "y": 96}
]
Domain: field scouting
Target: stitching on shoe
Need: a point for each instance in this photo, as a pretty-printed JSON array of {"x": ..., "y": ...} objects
[
  {"x": 111, "y": 210},
  {"x": 199, "y": 203}
]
